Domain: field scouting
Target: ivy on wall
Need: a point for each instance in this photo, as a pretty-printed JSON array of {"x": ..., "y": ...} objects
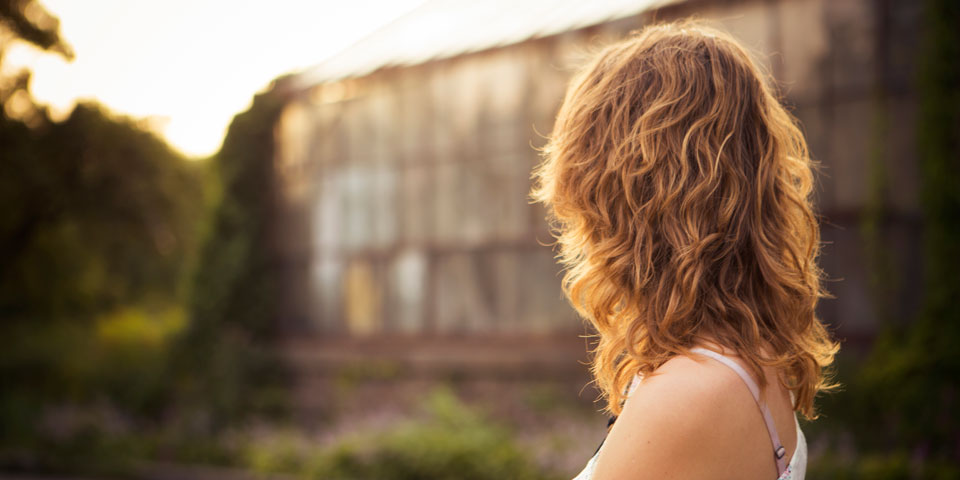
[
  {"x": 912, "y": 373},
  {"x": 232, "y": 308},
  {"x": 897, "y": 417}
]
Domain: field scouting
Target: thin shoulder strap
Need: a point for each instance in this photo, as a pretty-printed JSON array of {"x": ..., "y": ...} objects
[{"x": 778, "y": 449}]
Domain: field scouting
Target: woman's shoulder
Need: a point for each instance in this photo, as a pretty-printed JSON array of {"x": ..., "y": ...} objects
[
  {"x": 693, "y": 370},
  {"x": 678, "y": 422},
  {"x": 694, "y": 382}
]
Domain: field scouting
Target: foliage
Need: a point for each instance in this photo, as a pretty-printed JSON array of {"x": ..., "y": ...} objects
[
  {"x": 98, "y": 227},
  {"x": 873, "y": 466},
  {"x": 446, "y": 440},
  {"x": 916, "y": 369},
  {"x": 25, "y": 21},
  {"x": 451, "y": 441},
  {"x": 29, "y": 21},
  {"x": 900, "y": 404},
  {"x": 99, "y": 222},
  {"x": 97, "y": 212},
  {"x": 232, "y": 306}
]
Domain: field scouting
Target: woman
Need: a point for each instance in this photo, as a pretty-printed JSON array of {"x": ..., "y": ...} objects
[{"x": 679, "y": 191}]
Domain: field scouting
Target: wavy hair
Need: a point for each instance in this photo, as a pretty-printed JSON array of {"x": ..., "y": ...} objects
[{"x": 679, "y": 192}]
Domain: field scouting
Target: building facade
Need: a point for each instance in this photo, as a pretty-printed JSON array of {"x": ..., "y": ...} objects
[{"x": 405, "y": 162}]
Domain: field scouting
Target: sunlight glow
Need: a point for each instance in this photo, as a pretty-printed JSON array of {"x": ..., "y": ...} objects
[{"x": 190, "y": 65}]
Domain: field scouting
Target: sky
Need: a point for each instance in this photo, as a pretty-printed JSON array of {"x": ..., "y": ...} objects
[{"x": 190, "y": 65}]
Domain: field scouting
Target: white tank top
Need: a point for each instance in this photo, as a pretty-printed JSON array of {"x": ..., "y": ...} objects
[{"x": 795, "y": 470}]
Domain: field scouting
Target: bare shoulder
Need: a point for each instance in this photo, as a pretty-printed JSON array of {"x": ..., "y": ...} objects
[{"x": 682, "y": 422}]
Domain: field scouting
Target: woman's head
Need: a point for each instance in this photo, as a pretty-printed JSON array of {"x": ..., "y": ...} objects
[{"x": 679, "y": 190}]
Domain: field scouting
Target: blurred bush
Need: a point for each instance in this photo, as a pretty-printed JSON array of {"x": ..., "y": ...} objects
[{"x": 448, "y": 441}]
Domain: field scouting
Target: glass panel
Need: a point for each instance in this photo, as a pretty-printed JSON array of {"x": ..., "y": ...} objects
[
  {"x": 416, "y": 205},
  {"x": 543, "y": 307},
  {"x": 462, "y": 302},
  {"x": 408, "y": 291},
  {"x": 447, "y": 205},
  {"x": 358, "y": 204},
  {"x": 384, "y": 206},
  {"x": 362, "y": 298},
  {"x": 326, "y": 287},
  {"x": 505, "y": 265},
  {"x": 327, "y": 235}
]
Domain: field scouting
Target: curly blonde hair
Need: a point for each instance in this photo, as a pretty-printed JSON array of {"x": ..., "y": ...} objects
[{"x": 679, "y": 192}]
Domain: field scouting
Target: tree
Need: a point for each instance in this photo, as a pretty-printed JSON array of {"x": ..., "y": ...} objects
[
  {"x": 26, "y": 21},
  {"x": 99, "y": 221}
]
